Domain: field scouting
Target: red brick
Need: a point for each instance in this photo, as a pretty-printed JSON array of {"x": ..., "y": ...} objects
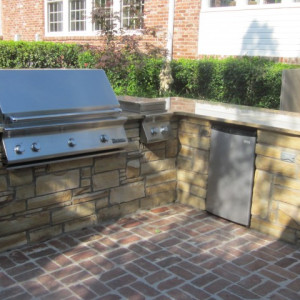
[
  {"x": 83, "y": 292},
  {"x": 18, "y": 257},
  {"x": 159, "y": 210},
  {"x": 62, "y": 260},
  {"x": 257, "y": 264},
  {"x": 112, "y": 274},
  {"x": 295, "y": 285},
  {"x": 217, "y": 286},
  {"x": 265, "y": 288},
  {"x": 148, "y": 266},
  {"x": 67, "y": 271},
  {"x": 178, "y": 294},
  {"x": 129, "y": 240},
  {"x": 34, "y": 288},
  {"x": 194, "y": 291},
  {"x": 92, "y": 267},
  {"x": 21, "y": 269},
  {"x": 61, "y": 294},
  {"x": 157, "y": 277},
  {"x": 5, "y": 281},
  {"x": 84, "y": 255},
  {"x": 134, "y": 269},
  {"x": 121, "y": 281},
  {"x": 6, "y": 263},
  {"x": 49, "y": 282},
  {"x": 145, "y": 289},
  {"x": 10, "y": 292},
  {"x": 28, "y": 275},
  {"x": 169, "y": 283},
  {"x": 96, "y": 285},
  {"x": 129, "y": 293},
  {"x": 103, "y": 262},
  {"x": 180, "y": 272},
  {"x": 241, "y": 292}
]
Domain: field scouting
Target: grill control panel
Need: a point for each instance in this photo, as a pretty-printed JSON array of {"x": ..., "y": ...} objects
[
  {"x": 46, "y": 146},
  {"x": 155, "y": 130}
]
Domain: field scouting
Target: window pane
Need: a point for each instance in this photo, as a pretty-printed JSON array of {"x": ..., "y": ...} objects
[
  {"x": 77, "y": 15},
  {"x": 55, "y": 16},
  {"x": 271, "y": 1},
  {"x": 103, "y": 14},
  {"x": 222, "y": 3},
  {"x": 132, "y": 14}
]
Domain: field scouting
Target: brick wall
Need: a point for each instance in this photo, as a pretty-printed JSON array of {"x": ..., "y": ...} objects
[
  {"x": 186, "y": 24},
  {"x": 23, "y": 17},
  {"x": 26, "y": 18}
]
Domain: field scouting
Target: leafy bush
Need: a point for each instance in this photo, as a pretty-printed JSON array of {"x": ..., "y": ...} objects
[
  {"x": 38, "y": 55},
  {"x": 248, "y": 81}
]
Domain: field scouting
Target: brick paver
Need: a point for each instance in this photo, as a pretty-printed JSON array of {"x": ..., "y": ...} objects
[{"x": 171, "y": 252}]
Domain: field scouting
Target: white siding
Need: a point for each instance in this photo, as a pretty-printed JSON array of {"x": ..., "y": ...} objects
[{"x": 263, "y": 30}]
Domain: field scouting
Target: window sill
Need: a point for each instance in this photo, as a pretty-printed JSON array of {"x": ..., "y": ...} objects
[{"x": 86, "y": 34}]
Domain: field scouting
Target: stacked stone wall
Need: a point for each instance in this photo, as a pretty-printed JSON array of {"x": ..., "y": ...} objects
[
  {"x": 276, "y": 192},
  {"x": 193, "y": 156},
  {"x": 38, "y": 203}
]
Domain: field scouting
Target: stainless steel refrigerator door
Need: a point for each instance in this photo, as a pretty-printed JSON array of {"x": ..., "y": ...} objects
[{"x": 230, "y": 177}]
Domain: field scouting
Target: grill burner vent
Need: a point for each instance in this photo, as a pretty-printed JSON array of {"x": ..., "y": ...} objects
[{"x": 50, "y": 115}]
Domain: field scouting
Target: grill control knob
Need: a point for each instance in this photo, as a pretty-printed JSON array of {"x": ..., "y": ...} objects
[
  {"x": 154, "y": 131},
  {"x": 35, "y": 147},
  {"x": 19, "y": 149},
  {"x": 104, "y": 138},
  {"x": 164, "y": 129},
  {"x": 71, "y": 142}
]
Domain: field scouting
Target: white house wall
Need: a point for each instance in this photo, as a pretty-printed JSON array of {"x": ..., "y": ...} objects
[{"x": 260, "y": 30}]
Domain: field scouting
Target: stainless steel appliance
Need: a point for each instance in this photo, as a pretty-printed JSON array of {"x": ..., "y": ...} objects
[
  {"x": 231, "y": 172},
  {"x": 290, "y": 90},
  {"x": 155, "y": 127},
  {"x": 50, "y": 115}
]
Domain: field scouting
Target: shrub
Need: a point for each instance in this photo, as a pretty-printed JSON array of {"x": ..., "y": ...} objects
[
  {"x": 251, "y": 81},
  {"x": 38, "y": 55}
]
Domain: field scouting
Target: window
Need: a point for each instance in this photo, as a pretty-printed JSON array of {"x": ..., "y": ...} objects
[
  {"x": 104, "y": 11},
  {"x": 77, "y": 15},
  {"x": 55, "y": 16},
  {"x": 74, "y": 17},
  {"x": 132, "y": 14},
  {"x": 242, "y": 3},
  {"x": 222, "y": 3}
]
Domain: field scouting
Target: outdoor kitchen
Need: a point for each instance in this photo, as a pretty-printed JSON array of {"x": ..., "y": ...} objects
[{"x": 68, "y": 165}]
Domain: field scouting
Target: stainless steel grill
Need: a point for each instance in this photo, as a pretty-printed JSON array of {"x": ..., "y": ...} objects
[{"x": 50, "y": 115}]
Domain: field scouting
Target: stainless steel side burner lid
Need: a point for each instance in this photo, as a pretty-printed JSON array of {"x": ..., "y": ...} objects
[
  {"x": 156, "y": 127},
  {"x": 48, "y": 115}
]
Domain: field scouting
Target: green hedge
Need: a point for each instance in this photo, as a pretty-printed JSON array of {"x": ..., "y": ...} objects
[
  {"x": 248, "y": 81},
  {"x": 38, "y": 55}
]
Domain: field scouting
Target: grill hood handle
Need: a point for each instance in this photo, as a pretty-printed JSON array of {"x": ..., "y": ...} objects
[{"x": 73, "y": 115}]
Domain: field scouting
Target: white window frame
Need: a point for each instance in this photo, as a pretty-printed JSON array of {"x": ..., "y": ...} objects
[
  {"x": 90, "y": 28},
  {"x": 243, "y": 4}
]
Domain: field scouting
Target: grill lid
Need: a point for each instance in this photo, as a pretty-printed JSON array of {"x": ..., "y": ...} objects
[
  {"x": 28, "y": 95},
  {"x": 47, "y": 114}
]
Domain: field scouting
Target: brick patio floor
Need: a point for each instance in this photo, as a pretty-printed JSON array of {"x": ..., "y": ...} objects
[{"x": 172, "y": 252}]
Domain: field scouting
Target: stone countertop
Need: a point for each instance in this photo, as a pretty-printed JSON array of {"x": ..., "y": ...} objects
[{"x": 260, "y": 118}]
